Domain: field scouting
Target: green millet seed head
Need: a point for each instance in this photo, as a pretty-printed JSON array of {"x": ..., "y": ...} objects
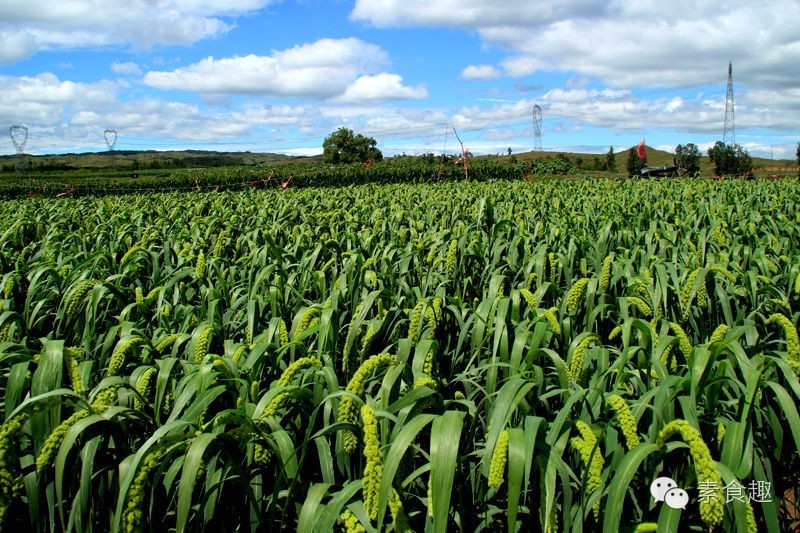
[
  {"x": 166, "y": 342},
  {"x": 283, "y": 333},
  {"x": 77, "y": 295},
  {"x": 144, "y": 386},
  {"x": 551, "y": 315},
  {"x": 718, "y": 334},
  {"x": 203, "y": 342},
  {"x": 790, "y": 332},
  {"x": 277, "y": 403},
  {"x": 592, "y": 458},
  {"x": 358, "y": 381},
  {"x": 414, "y": 321},
  {"x": 711, "y": 509},
  {"x": 309, "y": 318},
  {"x": 120, "y": 352},
  {"x": 366, "y": 341},
  {"x": 432, "y": 254},
  {"x": 200, "y": 265},
  {"x": 683, "y": 340},
  {"x": 53, "y": 442},
  {"x": 451, "y": 259},
  {"x": 295, "y": 368},
  {"x": 605, "y": 273},
  {"x": 686, "y": 291},
  {"x": 238, "y": 353},
  {"x": 575, "y": 370},
  {"x": 576, "y": 294},
  {"x": 350, "y": 522},
  {"x": 399, "y": 518},
  {"x": 424, "y": 381},
  {"x": 529, "y": 298},
  {"x": 371, "y": 482},
  {"x": 499, "y": 457},
  {"x": 625, "y": 419},
  {"x": 640, "y": 304}
]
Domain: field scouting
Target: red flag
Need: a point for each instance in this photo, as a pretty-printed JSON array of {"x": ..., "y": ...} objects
[{"x": 641, "y": 151}]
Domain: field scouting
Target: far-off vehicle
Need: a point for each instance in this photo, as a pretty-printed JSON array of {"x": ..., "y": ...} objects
[{"x": 671, "y": 171}]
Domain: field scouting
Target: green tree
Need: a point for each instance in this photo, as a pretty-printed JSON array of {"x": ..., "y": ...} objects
[
  {"x": 730, "y": 159},
  {"x": 798, "y": 159},
  {"x": 687, "y": 158},
  {"x": 611, "y": 160},
  {"x": 343, "y": 146},
  {"x": 635, "y": 165}
]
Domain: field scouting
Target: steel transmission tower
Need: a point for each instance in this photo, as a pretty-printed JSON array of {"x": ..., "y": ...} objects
[
  {"x": 537, "y": 128},
  {"x": 111, "y": 139},
  {"x": 19, "y": 136},
  {"x": 729, "y": 133}
]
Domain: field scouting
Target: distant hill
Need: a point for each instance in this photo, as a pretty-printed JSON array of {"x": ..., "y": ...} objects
[
  {"x": 150, "y": 159},
  {"x": 135, "y": 160},
  {"x": 660, "y": 158}
]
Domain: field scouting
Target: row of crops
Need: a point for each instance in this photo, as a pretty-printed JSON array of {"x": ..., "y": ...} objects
[
  {"x": 441, "y": 357},
  {"x": 428, "y": 169}
]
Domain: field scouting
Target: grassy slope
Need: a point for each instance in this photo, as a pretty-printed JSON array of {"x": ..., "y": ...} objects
[{"x": 64, "y": 166}]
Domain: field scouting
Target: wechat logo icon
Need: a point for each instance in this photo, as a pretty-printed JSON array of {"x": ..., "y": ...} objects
[{"x": 665, "y": 490}]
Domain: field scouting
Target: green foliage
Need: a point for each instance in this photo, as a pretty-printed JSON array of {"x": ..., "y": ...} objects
[
  {"x": 634, "y": 165},
  {"x": 523, "y": 355},
  {"x": 343, "y": 146},
  {"x": 730, "y": 160},
  {"x": 797, "y": 157},
  {"x": 611, "y": 160},
  {"x": 688, "y": 158}
]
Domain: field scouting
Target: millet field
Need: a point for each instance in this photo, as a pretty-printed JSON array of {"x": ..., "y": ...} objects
[{"x": 462, "y": 356}]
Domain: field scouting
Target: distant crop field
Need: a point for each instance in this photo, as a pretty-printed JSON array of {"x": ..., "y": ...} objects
[{"x": 462, "y": 356}]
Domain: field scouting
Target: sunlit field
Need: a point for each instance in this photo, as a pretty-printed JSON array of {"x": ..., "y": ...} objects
[{"x": 504, "y": 355}]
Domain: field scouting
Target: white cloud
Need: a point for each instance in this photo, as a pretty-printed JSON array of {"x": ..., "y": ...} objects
[
  {"x": 128, "y": 68},
  {"x": 467, "y": 13},
  {"x": 15, "y": 45},
  {"x": 326, "y": 69},
  {"x": 381, "y": 86},
  {"x": 624, "y": 44},
  {"x": 322, "y": 69},
  {"x": 43, "y": 99},
  {"x": 480, "y": 72},
  {"x": 34, "y": 25}
]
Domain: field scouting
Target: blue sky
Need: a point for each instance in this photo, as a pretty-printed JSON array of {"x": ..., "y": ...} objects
[{"x": 278, "y": 76}]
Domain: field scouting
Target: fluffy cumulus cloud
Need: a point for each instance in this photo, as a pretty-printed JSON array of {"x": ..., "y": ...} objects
[
  {"x": 63, "y": 115},
  {"x": 480, "y": 72},
  {"x": 381, "y": 87},
  {"x": 44, "y": 99},
  {"x": 33, "y": 25},
  {"x": 342, "y": 69},
  {"x": 624, "y": 44}
]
